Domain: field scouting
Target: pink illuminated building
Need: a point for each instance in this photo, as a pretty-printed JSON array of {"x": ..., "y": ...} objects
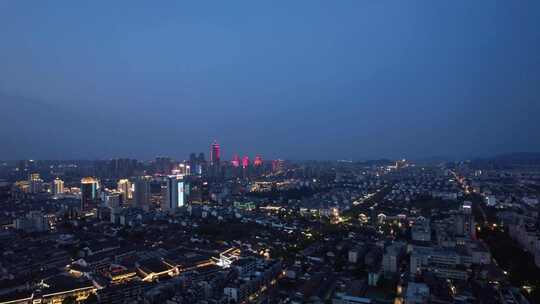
[
  {"x": 235, "y": 161},
  {"x": 258, "y": 161},
  {"x": 245, "y": 162}
]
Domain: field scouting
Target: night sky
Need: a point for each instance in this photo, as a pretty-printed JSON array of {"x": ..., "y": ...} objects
[{"x": 290, "y": 79}]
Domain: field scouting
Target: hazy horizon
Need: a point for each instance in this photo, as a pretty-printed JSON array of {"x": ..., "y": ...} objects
[{"x": 350, "y": 80}]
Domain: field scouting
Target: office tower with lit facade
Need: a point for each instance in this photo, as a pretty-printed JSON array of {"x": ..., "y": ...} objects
[
  {"x": 114, "y": 200},
  {"x": 58, "y": 186},
  {"x": 215, "y": 154},
  {"x": 245, "y": 162},
  {"x": 36, "y": 183},
  {"x": 124, "y": 187},
  {"x": 142, "y": 193},
  {"x": 197, "y": 163},
  {"x": 89, "y": 192},
  {"x": 464, "y": 221},
  {"x": 202, "y": 163},
  {"x": 182, "y": 169},
  {"x": 245, "y": 166},
  {"x": 258, "y": 163},
  {"x": 175, "y": 194},
  {"x": 214, "y": 169}
]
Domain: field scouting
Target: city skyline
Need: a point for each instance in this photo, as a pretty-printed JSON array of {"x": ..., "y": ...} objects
[
  {"x": 236, "y": 158},
  {"x": 281, "y": 152},
  {"x": 400, "y": 232}
]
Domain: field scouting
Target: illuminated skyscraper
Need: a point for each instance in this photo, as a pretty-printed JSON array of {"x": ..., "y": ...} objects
[
  {"x": 245, "y": 162},
  {"x": 214, "y": 153},
  {"x": 464, "y": 221},
  {"x": 182, "y": 169},
  {"x": 58, "y": 186},
  {"x": 36, "y": 183},
  {"x": 142, "y": 192},
  {"x": 175, "y": 196},
  {"x": 89, "y": 192},
  {"x": 124, "y": 186},
  {"x": 201, "y": 164},
  {"x": 196, "y": 163},
  {"x": 258, "y": 161},
  {"x": 236, "y": 161},
  {"x": 114, "y": 200}
]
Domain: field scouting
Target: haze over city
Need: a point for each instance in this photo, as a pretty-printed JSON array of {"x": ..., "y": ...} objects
[
  {"x": 295, "y": 80},
  {"x": 270, "y": 152}
]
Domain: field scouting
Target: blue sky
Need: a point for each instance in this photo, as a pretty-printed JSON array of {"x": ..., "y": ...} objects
[{"x": 289, "y": 79}]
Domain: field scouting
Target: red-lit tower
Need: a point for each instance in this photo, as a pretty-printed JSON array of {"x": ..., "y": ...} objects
[
  {"x": 258, "y": 161},
  {"x": 214, "y": 153},
  {"x": 245, "y": 162}
]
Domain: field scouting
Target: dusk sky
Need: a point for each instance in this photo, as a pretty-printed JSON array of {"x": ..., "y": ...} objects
[{"x": 289, "y": 79}]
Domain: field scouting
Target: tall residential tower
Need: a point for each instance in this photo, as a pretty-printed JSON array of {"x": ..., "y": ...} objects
[
  {"x": 89, "y": 192},
  {"x": 215, "y": 154},
  {"x": 175, "y": 197}
]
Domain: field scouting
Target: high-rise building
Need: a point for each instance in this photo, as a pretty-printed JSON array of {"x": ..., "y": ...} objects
[
  {"x": 142, "y": 192},
  {"x": 89, "y": 192},
  {"x": 235, "y": 162},
  {"x": 215, "y": 154},
  {"x": 34, "y": 221},
  {"x": 201, "y": 158},
  {"x": 464, "y": 221},
  {"x": 201, "y": 168},
  {"x": 58, "y": 186},
  {"x": 196, "y": 163},
  {"x": 193, "y": 157},
  {"x": 21, "y": 187},
  {"x": 245, "y": 162},
  {"x": 175, "y": 196},
  {"x": 258, "y": 161},
  {"x": 36, "y": 183},
  {"x": 182, "y": 169},
  {"x": 277, "y": 165},
  {"x": 114, "y": 200},
  {"x": 193, "y": 161},
  {"x": 124, "y": 186}
]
